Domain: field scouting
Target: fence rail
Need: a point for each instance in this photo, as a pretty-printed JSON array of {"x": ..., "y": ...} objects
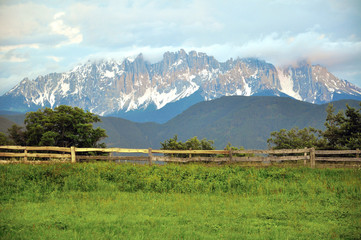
[{"x": 308, "y": 155}]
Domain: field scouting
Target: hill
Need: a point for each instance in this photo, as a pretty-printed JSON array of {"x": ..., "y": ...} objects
[
  {"x": 242, "y": 121},
  {"x": 246, "y": 121},
  {"x": 5, "y": 124}
]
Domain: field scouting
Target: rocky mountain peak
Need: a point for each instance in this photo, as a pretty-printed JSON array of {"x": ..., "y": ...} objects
[{"x": 119, "y": 87}]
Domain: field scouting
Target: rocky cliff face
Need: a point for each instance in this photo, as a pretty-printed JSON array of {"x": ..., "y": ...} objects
[{"x": 107, "y": 86}]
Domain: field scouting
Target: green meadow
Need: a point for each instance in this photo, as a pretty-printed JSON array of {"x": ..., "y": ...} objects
[{"x": 125, "y": 201}]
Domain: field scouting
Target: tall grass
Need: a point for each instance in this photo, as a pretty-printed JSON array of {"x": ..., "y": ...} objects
[
  {"x": 106, "y": 201},
  {"x": 19, "y": 180}
]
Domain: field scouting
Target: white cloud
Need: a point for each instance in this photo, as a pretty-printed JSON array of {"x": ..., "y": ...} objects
[
  {"x": 55, "y": 59},
  {"x": 14, "y": 59},
  {"x": 13, "y": 56},
  {"x": 23, "y": 23},
  {"x": 72, "y": 33},
  {"x": 288, "y": 48},
  {"x": 59, "y": 15},
  {"x": 279, "y": 31},
  {"x": 7, "y": 48}
]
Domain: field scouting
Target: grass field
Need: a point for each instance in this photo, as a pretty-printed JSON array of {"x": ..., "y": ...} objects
[{"x": 120, "y": 201}]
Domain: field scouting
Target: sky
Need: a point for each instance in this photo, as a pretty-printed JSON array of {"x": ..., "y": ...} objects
[{"x": 41, "y": 37}]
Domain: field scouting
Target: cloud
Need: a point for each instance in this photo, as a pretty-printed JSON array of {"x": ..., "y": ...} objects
[
  {"x": 13, "y": 56},
  {"x": 59, "y": 15},
  {"x": 34, "y": 24},
  {"x": 314, "y": 46},
  {"x": 23, "y": 23},
  {"x": 72, "y": 34},
  {"x": 33, "y": 32},
  {"x": 11, "y": 53},
  {"x": 19, "y": 46},
  {"x": 14, "y": 59},
  {"x": 279, "y": 49},
  {"x": 55, "y": 59},
  {"x": 142, "y": 23}
]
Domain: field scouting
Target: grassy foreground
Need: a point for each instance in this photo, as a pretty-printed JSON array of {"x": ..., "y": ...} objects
[{"x": 113, "y": 201}]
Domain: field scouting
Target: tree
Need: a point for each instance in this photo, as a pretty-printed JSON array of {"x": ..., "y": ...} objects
[
  {"x": 4, "y": 140},
  {"x": 64, "y": 126},
  {"x": 192, "y": 143},
  {"x": 17, "y": 135},
  {"x": 296, "y": 138},
  {"x": 229, "y": 147},
  {"x": 343, "y": 131}
]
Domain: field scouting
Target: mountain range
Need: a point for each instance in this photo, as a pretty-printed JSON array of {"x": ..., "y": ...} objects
[
  {"x": 242, "y": 121},
  {"x": 138, "y": 90}
]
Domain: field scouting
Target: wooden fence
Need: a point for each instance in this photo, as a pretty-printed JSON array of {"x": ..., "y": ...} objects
[{"x": 309, "y": 156}]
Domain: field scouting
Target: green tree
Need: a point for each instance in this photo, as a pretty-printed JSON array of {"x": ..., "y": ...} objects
[
  {"x": 343, "y": 130},
  {"x": 17, "y": 135},
  {"x": 64, "y": 126},
  {"x": 173, "y": 144},
  {"x": 4, "y": 140},
  {"x": 296, "y": 138},
  {"x": 229, "y": 147},
  {"x": 192, "y": 143}
]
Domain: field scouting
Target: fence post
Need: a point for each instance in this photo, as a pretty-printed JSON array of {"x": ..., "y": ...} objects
[
  {"x": 72, "y": 152},
  {"x": 230, "y": 154},
  {"x": 190, "y": 155},
  {"x": 25, "y": 155},
  {"x": 313, "y": 158},
  {"x": 357, "y": 152},
  {"x": 305, "y": 155},
  {"x": 150, "y": 154}
]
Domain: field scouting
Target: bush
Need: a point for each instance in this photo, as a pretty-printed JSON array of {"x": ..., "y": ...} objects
[{"x": 190, "y": 144}]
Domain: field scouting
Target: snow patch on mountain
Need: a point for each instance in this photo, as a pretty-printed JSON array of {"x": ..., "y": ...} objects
[
  {"x": 112, "y": 86},
  {"x": 109, "y": 74},
  {"x": 158, "y": 97},
  {"x": 176, "y": 64},
  {"x": 287, "y": 86},
  {"x": 65, "y": 88},
  {"x": 247, "y": 88}
]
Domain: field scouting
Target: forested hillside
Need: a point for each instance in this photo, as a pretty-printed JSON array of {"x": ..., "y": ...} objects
[
  {"x": 242, "y": 121},
  {"x": 246, "y": 121}
]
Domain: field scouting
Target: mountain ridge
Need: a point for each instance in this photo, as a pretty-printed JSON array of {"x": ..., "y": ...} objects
[
  {"x": 137, "y": 90},
  {"x": 242, "y": 121}
]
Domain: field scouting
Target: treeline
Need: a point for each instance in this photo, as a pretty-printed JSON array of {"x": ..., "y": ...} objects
[
  {"x": 67, "y": 126},
  {"x": 342, "y": 131}
]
